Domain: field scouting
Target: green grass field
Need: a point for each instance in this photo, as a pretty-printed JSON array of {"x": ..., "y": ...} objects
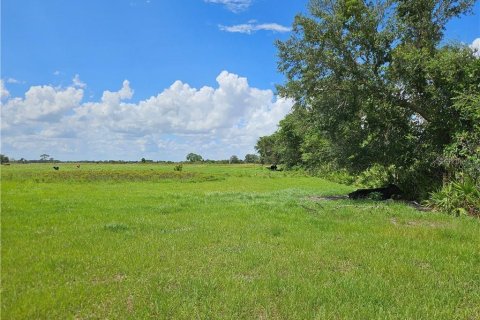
[{"x": 223, "y": 242}]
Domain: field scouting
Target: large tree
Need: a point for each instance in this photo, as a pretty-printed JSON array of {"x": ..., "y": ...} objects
[{"x": 375, "y": 82}]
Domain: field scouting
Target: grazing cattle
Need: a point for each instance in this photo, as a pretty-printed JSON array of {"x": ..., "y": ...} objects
[
  {"x": 383, "y": 193},
  {"x": 56, "y": 168}
]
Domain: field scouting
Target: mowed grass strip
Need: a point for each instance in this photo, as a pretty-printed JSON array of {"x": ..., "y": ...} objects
[{"x": 244, "y": 244}]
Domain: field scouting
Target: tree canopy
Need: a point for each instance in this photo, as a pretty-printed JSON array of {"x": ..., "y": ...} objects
[
  {"x": 193, "y": 157},
  {"x": 373, "y": 85}
]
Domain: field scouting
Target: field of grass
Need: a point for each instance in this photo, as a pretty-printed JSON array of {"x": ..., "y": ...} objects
[{"x": 223, "y": 242}]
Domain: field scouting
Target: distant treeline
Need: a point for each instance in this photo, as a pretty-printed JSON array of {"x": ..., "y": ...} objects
[{"x": 206, "y": 161}]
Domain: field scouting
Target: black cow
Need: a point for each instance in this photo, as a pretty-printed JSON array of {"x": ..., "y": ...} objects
[
  {"x": 384, "y": 193},
  {"x": 273, "y": 167},
  {"x": 56, "y": 168}
]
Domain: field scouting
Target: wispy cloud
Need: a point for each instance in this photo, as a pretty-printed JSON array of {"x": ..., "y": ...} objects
[
  {"x": 14, "y": 81},
  {"x": 252, "y": 27},
  {"x": 77, "y": 82},
  {"x": 233, "y": 5}
]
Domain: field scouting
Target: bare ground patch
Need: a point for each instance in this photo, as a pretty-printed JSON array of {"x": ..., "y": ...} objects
[
  {"x": 412, "y": 204},
  {"x": 417, "y": 223}
]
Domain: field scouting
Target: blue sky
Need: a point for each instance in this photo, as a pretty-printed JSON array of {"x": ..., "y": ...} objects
[{"x": 128, "y": 79}]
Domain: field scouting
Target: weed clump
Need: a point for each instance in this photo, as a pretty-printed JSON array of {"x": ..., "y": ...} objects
[{"x": 116, "y": 227}]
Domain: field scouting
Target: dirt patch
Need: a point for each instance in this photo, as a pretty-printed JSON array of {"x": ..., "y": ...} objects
[
  {"x": 417, "y": 223},
  {"x": 418, "y": 206},
  {"x": 412, "y": 204},
  {"x": 327, "y": 198},
  {"x": 115, "y": 278},
  {"x": 130, "y": 304}
]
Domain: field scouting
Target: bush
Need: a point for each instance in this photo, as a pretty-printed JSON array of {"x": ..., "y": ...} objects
[
  {"x": 457, "y": 198},
  {"x": 330, "y": 173},
  {"x": 178, "y": 167},
  {"x": 377, "y": 176}
]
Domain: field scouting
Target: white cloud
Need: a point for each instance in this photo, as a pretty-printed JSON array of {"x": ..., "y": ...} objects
[
  {"x": 252, "y": 27},
  {"x": 41, "y": 103},
  {"x": 124, "y": 93},
  {"x": 14, "y": 81},
  {"x": 56, "y": 73},
  {"x": 215, "y": 122},
  {"x": 3, "y": 91},
  {"x": 77, "y": 82},
  {"x": 475, "y": 46},
  {"x": 233, "y": 5}
]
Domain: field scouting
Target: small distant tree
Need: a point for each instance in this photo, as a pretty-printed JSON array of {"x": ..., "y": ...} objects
[
  {"x": 193, "y": 157},
  {"x": 234, "y": 159},
  {"x": 44, "y": 157},
  {"x": 143, "y": 160},
  {"x": 252, "y": 158},
  {"x": 4, "y": 159}
]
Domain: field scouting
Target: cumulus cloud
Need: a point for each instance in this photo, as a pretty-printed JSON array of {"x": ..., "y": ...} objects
[
  {"x": 124, "y": 93},
  {"x": 41, "y": 103},
  {"x": 475, "y": 46},
  {"x": 214, "y": 121},
  {"x": 233, "y": 5},
  {"x": 3, "y": 91},
  {"x": 252, "y": 27}
]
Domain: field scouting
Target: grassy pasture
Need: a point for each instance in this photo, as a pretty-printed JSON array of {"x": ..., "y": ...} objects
[{"x": 223, "y": 242}]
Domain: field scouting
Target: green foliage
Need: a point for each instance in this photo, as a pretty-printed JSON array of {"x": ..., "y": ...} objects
[
  {"x": 116, "y": 227},
  {"x": 377, "y": 176},
  {"x": 267, "y": 149},
  {"x": 334, "y": 174},
  {"x": 193, "y": 157},
  {"x": 289, "y": 139},
  {"x": 375, "y": 196},
  {"x": 457, "y": 198},
  {"x": 234, "y": 159},
  {"x": 376, "y": 94},
  {"x": 4, "y": 159},
  {"x": 252, "y": 158},
  {"x": 178, "y": 167}
]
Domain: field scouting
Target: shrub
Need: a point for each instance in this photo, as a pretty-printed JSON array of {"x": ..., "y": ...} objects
[
  {"x": 457, "y": 198},
  {"x": 178, "y": 167},
  {"x": 376, "y": 176},
  {"x": 331, "y": 173}
]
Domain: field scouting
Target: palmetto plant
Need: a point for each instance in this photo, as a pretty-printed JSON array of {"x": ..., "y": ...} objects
[{"x": 458, "y": 198}]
